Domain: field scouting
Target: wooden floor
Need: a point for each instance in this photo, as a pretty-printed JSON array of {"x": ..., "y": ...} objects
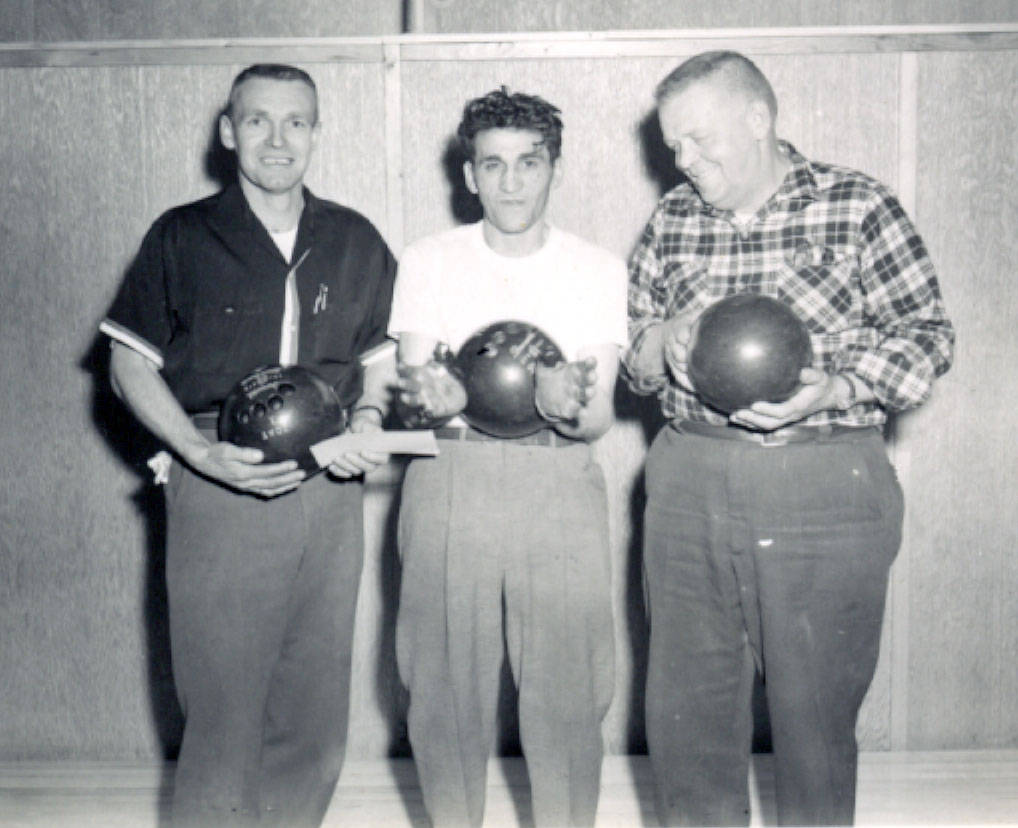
[{"x": 942, "y": 788}]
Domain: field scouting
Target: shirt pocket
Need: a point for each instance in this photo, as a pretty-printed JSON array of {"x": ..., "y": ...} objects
[
  {"x": 220, "y": 334},
  {"x": 822, "y": 284},
  {"x": 336, "y": 332}
]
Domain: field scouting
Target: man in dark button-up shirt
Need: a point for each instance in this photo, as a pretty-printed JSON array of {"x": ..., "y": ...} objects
[
  {"x": 770, "y": 532},
  {"x": 263, "y": 565}
]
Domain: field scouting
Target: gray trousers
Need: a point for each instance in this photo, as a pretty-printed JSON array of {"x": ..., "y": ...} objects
[
  {"x": 773, "y": 559},
  {"x": 505, "y": 549},
  {"x": 261, "y": 599}
]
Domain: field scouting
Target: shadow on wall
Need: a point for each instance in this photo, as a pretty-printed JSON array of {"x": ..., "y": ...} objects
[
  {"x": 463, "y": 204},
  {"x": 658, "y": 159},
  {"x": 134, "y": 445}
]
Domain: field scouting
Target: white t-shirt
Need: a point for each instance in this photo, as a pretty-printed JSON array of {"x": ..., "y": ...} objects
[{"x": 451, "y": 284}]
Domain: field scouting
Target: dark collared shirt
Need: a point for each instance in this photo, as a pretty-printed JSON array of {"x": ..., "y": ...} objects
[
  {"x": 833, "y": 244},
  {"x": 204, "y": 297}
]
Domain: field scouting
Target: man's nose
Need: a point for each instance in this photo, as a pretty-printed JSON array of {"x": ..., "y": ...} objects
[
  {"x": 510, "y": 179},
  {"x": 276, "y": 135}
]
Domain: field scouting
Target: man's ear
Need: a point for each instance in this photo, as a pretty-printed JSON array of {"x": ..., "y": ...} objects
[
  {"x": 468, "y": 176},
  {"x": 758, "y": 116},
  {"x": 557, "y": 171},
  {"x": 226, "y": 135}
]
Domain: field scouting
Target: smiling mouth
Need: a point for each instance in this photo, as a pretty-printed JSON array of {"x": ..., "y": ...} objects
[{"x": 277, "y": 162}]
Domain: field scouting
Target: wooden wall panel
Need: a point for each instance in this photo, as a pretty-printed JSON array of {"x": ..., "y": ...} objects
[
  {"x": 74, "y": 650},
  {"x": 60, "y": 20},
  {"x": 578, "y": 15},
  {"x": 962, "y": 452}
]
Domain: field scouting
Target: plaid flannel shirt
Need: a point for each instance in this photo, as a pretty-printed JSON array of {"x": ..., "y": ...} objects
[{"x": 832, "y": 243}]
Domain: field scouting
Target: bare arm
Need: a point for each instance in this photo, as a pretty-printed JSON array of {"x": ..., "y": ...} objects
[{"x": 368, "y": 413}]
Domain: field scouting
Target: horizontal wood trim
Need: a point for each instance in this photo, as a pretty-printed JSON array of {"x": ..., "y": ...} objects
[
  {"x": 515, "y": 45},
  {"x": 193, "y": 52}
]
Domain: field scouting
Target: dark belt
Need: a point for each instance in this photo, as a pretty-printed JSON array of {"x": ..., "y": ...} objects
[
  {"x": 545, "y": 437},
  {"x": 779, "y": 437}
]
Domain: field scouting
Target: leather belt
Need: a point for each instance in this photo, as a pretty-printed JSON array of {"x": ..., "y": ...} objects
[
  {"x": 779, "y": 437},
  {"x": 545, "y": 437}
]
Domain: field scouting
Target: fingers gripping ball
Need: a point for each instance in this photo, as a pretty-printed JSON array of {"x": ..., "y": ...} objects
[
  {"x": 416, "y": 416},
  {"x": 747, "y": 348},
  {"x": 497, "y": 365},
  {"x": 282, "y": 410}
]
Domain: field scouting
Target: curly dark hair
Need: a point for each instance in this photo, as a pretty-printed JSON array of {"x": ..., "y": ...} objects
[
  {"x": 499, "y": 108},
  {"x": 272, "y": 71}
]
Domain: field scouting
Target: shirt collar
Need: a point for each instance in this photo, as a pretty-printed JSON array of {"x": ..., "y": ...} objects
[{"x": 235, "y": 216}]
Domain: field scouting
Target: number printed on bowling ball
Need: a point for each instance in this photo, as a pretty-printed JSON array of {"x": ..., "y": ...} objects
[{"x": 747, "y": 348}]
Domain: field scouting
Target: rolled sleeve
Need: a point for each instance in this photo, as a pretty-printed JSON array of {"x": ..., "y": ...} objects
[{"x": 140, "y": 316}]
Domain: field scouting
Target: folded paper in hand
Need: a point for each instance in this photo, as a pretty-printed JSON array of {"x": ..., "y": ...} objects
[{"x": 390, "y": 442}]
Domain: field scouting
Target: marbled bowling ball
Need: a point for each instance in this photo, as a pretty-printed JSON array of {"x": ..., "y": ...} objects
[{"x": 497, "y": 366}]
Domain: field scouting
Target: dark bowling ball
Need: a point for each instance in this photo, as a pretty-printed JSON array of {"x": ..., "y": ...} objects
[
  {"x": 497, "y": 365},
  {"x": 747, "y": 348},
  {"x": 282, "y": 410}
]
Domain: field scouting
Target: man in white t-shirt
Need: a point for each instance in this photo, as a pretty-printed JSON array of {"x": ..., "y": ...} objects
[{"x": 504, "y": 542}]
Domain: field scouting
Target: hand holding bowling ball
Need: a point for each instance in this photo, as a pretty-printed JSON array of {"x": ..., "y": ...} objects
[
  {"x": 745, "y": 349},
  {"x": 498, "y": 365},
  {"x": 676, "y": 334},
  {"x": 428, "y": 394},
  {"x": 563, "y": 390},
  {"x": 283, "y": 411}
]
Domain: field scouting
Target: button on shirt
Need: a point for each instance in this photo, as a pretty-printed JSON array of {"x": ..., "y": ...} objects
[{"x": 833, "y": 244}]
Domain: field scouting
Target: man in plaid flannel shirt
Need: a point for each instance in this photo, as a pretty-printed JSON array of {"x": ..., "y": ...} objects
[{"x": 770, "y": 533}]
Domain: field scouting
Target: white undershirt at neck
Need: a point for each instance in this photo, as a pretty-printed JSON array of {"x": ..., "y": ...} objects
[{"x": 285, "y": 241}]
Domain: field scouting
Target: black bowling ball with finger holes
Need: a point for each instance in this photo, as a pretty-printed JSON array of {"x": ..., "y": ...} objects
[
  {"x": 747, "y": 348},
  {"x": 497, "y": 366},
  {"x": 282, "y": 410}
]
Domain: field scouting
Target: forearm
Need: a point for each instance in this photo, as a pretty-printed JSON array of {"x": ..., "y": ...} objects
[
  {"x": 379, "y": 379},
  {"x": 138, "y": 383}
]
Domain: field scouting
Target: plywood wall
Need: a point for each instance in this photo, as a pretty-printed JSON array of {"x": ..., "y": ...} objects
[
  {"x": 571, "y": 15},
  {"x": 69, "y": 20},
  {"x": 91, "y": 155}
]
